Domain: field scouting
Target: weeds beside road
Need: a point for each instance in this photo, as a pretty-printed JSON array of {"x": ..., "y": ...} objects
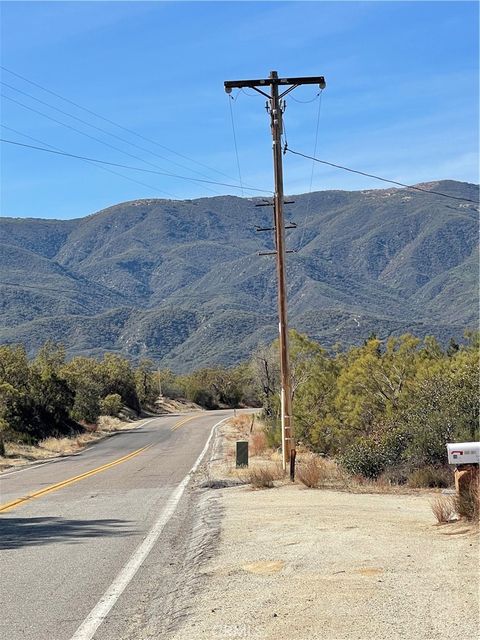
[{"x": 18, "y": 455}]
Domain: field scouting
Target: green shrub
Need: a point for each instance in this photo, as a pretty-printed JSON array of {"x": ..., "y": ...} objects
[
  {"x": 111, "y": 405},
  {"x": 365, "y": 458},
  {"x": 371, "y": 457}
]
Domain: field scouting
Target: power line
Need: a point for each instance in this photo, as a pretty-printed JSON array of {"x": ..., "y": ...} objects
[
  {"x": 229, "y": 98},
  {"x": 309, "y": 201},
  {"x": 126, "y": 166},
  {"x": 87, "y": 135},
  {"x": 371, "y": 175},
  {"x": 101, "y": 129},
  {"x": 307, "y": 101},
  {"x": 115, "y": 124},
  {"x": 115, "y": 173}
]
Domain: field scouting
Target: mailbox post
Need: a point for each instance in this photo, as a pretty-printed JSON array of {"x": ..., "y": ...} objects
[{"x": 465, "y": 456}]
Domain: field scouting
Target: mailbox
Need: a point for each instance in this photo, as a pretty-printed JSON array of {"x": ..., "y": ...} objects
[{"x": 463, "y": 453}]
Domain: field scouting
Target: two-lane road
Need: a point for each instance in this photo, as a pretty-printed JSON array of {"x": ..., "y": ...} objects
[{"x": 75, "y": 531}]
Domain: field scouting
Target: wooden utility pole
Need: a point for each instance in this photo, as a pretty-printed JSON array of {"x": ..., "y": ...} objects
[{"x": 276, "y": 107}]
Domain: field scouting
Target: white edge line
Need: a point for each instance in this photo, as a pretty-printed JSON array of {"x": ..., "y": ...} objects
[{"x": 97, "y": 615}]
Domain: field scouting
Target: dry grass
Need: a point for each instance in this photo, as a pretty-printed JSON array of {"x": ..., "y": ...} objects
[
  {"x": 257, "y": 443},
  {"x": 443, "y": 508},
  {"x": 359, "y": 484},
  {"x": 64, "y": 446},
  {"x": 59, "y": 445},
  {"x": 311, "y": 472},
  {"x": 242, "y": 422},
  {"x": 17, "y": 455},
  {"x": 262, "y": 476},
  {"x": 314, "y": 471},
  {"x": 108, "y": 423}
]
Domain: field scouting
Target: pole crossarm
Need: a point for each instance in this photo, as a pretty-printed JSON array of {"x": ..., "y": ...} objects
[
  {"x": 268, "y": 82},
  {"x": 292, "y": 84}
]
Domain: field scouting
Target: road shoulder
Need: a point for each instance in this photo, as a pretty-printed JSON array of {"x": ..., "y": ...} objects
[{"x": 311, "y": 564}]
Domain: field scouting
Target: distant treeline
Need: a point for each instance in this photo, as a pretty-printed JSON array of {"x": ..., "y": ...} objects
[
  {"x": 50, "y": 396},
  {"x": 381, "y": 408}
]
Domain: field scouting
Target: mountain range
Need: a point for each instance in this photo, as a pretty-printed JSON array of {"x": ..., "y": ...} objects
[{"x": 181, "y": 282}]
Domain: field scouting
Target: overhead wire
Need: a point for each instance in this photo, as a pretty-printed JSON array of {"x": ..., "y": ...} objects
[
  {"x": 125, "y": 166},
  {"x": 230, "y": 99},
  {"x": 116, "y": 173},
  {"x": 101, "y": 129},
  {"x": 292, "y": 97},
  {"x": 115, "y": 124},
  {"x": 250, "y": 95},
  {"x": 87, "y": 135},
  {"x": 371, "y": 175},
  {"x": 309, "y": 199}
]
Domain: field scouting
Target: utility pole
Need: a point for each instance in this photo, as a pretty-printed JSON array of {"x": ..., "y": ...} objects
[
  {"x": 159, "y": 383},
  {"x": 275, "y": 107}
]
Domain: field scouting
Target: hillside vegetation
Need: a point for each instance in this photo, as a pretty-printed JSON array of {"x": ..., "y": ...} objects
[{"x": 181, "y": 282}]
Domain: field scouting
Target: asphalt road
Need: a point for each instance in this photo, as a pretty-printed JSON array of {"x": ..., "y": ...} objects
[{"x": 64, "y": 548}]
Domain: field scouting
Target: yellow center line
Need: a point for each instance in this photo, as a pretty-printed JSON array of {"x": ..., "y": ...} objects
[
  {"x": 65, "y": 483},
  {"x": 180, "y": 423}
]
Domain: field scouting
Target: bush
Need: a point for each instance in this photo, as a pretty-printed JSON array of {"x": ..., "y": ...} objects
[
  {"x": 443, "y": 508},
  {"x": 262, "y": 476},
  {"x": 202, "y": 397},
  {"x": 395, "y": 475},
  {"x": 111, "y": 405},
  {"x": 311, "y": 472},
  {"x": 431, "y": 477},
  {"x": 371, "y": 457},
  {"x": 365, "y": 458}
]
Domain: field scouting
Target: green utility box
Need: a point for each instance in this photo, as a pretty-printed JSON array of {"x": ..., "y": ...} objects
[{"x": 242, "y": 453}]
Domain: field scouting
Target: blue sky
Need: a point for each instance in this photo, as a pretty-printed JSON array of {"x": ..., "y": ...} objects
[{"x": 401, "y": 98}]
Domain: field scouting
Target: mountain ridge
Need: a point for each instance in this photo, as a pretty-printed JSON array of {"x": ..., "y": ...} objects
[{"x": 181, "y": 281}]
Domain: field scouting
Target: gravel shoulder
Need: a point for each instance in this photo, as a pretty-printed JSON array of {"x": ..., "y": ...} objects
[{"x": 332, "y": 565}]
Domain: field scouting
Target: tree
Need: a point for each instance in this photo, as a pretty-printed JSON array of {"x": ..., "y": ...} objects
[
  {"x": 53, "y": 396},
  {"x": 84, "y": 376},
  {"x": 316, "y": 418},
  {"x": 371, "y": 383},
  {"x": 118, "y": 377},
  {"x": 266, "y": 374},
  {"x": 442, "y": 407},
  {"x": 145, "y": 384}
]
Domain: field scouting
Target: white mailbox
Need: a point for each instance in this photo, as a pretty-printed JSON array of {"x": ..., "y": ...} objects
[{"x": 463, "y": 453}]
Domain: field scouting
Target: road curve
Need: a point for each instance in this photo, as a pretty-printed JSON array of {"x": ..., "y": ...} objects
[{"x": 69, "y": 527}]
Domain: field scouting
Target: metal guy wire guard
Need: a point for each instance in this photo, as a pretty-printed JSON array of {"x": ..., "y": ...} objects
[{"x": 275, "y": 109}]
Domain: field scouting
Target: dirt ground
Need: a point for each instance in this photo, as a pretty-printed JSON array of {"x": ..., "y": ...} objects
[{"x": 308, "y": 564}]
